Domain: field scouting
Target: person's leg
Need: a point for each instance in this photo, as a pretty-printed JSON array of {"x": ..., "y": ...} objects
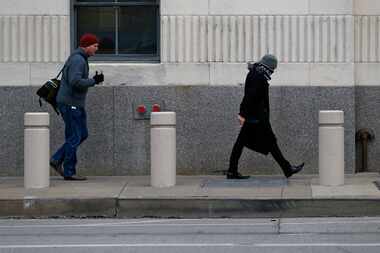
[
  {"x": 286, "y": 167},
  {"x": 83, "y": 130},
  {"x": 280, "y": 159},
  {"x": 237, "y": 150},
  {"x": 73, "y": 137},
  {"x": 59, "y": 155}
]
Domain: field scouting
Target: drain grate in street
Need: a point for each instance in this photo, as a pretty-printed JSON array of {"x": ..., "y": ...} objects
[{"x": 377, "y": 183}]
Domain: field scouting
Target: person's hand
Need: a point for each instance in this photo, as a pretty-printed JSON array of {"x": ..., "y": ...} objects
[
  {"x": 99, "y": 78},
  {"x": 241, "y": 120}
]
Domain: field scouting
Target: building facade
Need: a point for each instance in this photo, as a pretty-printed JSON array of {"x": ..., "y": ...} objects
[{"x": 191, "y": 58}]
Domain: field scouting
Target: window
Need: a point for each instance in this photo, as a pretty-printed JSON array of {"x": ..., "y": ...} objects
[{"x": 127, "y": 29}]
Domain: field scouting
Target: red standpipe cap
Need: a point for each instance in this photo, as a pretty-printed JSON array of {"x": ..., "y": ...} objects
[
  {"x": 156, "y": 108},
  {"x": 141, "y": 109}
]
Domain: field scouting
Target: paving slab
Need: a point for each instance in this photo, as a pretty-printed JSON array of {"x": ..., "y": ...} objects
[
  {"x": 95, "y": 197},
  {"x": 94, "y": 187},
  {"x": 297, "y": 191},
  {"x": 266, "y": 181},
  {"x": 186, "y": 187},
  {"x": 360, "y": 186},
  {"x": 366, "y": 191}
]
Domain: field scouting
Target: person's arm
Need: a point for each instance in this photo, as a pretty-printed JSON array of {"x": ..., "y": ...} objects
[
  {"x": 251, "y": 96},
  {"x": 76, "y": 69},
  {"x": 241, "y": 120}
]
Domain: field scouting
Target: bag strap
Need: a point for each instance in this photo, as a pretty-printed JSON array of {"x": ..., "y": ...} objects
[
  {"x": 55, "y": 109},
  {"x": 61, "y": 71}
]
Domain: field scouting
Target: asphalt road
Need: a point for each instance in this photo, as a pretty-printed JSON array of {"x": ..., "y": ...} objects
[{"x": 327, "y": 235}]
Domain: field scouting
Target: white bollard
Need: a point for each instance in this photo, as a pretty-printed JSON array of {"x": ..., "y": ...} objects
[
  {"x": 36, "y": 150},
  {"x": 331, "y": 148},
  {"x": 163, "y": 149}
]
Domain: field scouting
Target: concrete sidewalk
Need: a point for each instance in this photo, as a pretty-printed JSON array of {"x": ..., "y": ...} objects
[{"x": 193, "y": 197}]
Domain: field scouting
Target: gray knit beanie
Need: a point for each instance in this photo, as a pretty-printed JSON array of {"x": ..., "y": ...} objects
[{"x": 269, "y": 61}]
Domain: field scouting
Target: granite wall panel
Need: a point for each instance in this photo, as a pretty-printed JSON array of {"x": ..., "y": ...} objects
[
  {"x": 367, "y": 116},
  {"x": 207, "y": 127}
]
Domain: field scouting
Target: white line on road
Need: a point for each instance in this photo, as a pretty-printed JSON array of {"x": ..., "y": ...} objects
[
  {"x": 155, "y": 223},
  {"x": 194, "y": 245},
  {"x": 137, "y": 224},
  {"x": 331, "y": 222}
]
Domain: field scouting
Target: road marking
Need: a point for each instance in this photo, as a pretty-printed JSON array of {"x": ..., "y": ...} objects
[
  {"x": 332, "y": 222},
  {"x": 164, "y": 224},
  {"x": 194, "y": 245},
  {"x": 134, "y": 224},
  {"x": 121, "y": 245},
  {"x": 168, "y": 223}
]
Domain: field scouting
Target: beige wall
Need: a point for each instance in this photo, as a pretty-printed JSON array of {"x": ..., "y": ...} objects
[{"x": 318, "y": 42}]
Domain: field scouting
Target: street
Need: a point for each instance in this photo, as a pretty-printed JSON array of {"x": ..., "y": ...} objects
[{"x": 327, "y": 235}]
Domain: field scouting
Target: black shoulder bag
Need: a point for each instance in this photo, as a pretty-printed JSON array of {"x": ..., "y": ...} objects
[{"x": 49, "y": 91}]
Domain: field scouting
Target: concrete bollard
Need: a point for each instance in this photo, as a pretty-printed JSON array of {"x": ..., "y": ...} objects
[
  {"x": 163, "y": 149},
  {"x": 331, "y": 148},
  {"x": 36, "y": 150}
]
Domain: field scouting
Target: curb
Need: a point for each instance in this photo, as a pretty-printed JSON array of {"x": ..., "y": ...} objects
[{"x": 188, "y": 208}]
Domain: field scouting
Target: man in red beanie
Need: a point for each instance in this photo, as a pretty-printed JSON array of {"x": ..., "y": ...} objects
[{"x": 71, "y": 99}]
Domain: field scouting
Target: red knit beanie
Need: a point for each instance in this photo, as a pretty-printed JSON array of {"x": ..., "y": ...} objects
[{"x": 88, "y": 39}]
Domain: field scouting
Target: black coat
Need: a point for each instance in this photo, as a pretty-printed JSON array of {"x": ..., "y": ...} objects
[{"x": 256, "y": 132}]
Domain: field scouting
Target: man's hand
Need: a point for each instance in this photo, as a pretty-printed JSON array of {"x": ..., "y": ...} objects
[
  {"x": 241, "y": 120},
  {"x": 99, "y": 78}
]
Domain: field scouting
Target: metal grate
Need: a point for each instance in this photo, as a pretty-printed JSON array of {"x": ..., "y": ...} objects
[{"x": 251, "y": 182}]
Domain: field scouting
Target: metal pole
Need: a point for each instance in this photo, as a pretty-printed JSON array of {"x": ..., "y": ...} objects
[
  {"x": 163, "y": 149},
  {"x": 36, "y": 150},
  {"x": 331, "y": 148}
]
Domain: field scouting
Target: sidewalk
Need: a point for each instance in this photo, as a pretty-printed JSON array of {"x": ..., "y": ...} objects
[{"x": 193, "y": 197}]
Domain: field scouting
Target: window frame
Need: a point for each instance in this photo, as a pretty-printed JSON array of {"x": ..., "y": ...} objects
[{"x": 146, "y": 58}]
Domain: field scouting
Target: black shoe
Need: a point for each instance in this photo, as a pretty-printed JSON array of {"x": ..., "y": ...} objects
[
  {"x": 75, "y": 178},
  {"x": 57, "y": 166},
  {"x": 236, "y": 175},
  {"x": 294, "y": 169}
]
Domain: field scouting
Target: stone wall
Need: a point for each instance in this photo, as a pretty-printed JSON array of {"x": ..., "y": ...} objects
[
  {"x": 329, "y": 52},
  {"x": 207, "y": 127}
]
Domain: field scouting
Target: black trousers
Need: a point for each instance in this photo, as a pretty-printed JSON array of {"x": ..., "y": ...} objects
[{"x": 274, "y": 151}]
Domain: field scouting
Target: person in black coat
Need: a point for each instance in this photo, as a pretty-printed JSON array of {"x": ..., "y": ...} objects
[{"x": 256, "y": 132}]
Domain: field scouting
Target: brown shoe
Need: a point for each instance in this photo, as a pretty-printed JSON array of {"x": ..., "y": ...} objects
[
  {"x": 57, "y": 167},
  {"x": 75, "y": 178}
]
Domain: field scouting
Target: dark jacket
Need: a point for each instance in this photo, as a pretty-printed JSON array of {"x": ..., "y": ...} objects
[
  {"x": 255, "y": 104},
  {"x": 256, "y": 132},
  {"x": 75, "y": 81}
]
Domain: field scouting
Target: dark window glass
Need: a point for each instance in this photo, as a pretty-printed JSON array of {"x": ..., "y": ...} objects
[
  {"x": 101, "y": 22},
  {"x": 127, "y": 29},
  {"x": 96, "y": 1},
  {"x": 120, "y": 1},
  {"x": 138, "y": 30},
  {"x": 138, "y": 1}
]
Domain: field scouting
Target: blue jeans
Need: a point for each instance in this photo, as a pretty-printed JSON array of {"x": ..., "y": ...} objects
[{"x": 75, "y": 133}]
